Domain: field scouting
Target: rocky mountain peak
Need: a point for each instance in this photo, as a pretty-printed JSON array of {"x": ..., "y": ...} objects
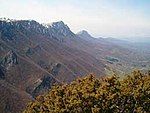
[
  {"x": 60, "y": 25},
  {"x": 84, "y": 33},
  {"x": 61, "y": 28},
  {"x": 56, "y": 25},
  {"x": 57, "y": 30}
]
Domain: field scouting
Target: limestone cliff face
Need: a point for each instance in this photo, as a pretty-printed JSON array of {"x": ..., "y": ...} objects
[{"x": 9, "y": 60}]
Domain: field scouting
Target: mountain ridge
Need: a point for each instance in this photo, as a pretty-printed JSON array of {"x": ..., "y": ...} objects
[{"x": 35, "y": 56}]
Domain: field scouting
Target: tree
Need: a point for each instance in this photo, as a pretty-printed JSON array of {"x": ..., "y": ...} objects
[{"x": 97, "y": 95}]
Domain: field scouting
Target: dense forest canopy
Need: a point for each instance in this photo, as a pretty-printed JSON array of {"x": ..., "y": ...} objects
[{"x": 97, "y": 95}]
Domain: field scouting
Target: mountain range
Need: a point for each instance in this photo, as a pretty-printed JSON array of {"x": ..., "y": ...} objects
[{"x": 35, "y": 56}]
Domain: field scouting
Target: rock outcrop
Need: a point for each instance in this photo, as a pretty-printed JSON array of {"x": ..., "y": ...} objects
[{"x": 9, "y": 60}]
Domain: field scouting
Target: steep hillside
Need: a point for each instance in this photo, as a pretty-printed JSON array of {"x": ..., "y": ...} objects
[{"x": 35, "y": 56}]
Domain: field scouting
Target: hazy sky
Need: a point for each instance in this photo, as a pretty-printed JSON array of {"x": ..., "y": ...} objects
[{"x": 109, "y": 18}]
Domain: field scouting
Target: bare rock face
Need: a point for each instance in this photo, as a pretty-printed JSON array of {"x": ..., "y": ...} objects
[
  {"x": 55, "y": 69},
  {"x": 60, "y": 28},
  {"x": 9, "y": 60},
  {"x": 40, "y": 86},
  {"x": 56, "y": 30},
  {"x": 7, "y": 30},
  {"x": 45, "y": 83}
]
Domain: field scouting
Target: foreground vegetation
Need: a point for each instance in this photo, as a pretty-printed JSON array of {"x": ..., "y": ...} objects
[{"x": 93, "y": 95}]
